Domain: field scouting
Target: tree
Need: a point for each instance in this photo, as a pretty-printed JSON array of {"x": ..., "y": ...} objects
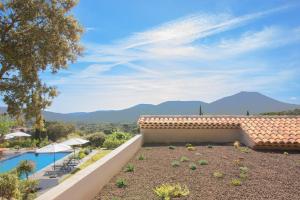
[
  {"x": 96, "y": 139},
  {"x": 9, "y": 183},
  {"x": 200, "y": 111},
  {"x": 247, "y": 113},
  {"x": 25, "y": 167},
  {"x": 5, "y": 125},
  {"x": 36, "y": 36}
]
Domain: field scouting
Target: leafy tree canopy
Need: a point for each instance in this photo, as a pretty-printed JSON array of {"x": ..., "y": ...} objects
[
  {"x": 5, "y": 124},
  {"x": 35, "y": 36}
]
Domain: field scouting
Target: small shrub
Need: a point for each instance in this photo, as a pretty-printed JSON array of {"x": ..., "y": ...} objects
[
  {"x": 172, "y": 147},
  {"x": 244, "y": 170},
  {"x": 175, "y": 163},
  {"x": 236, "y": 144},
  {"x": 203, "y": 162},
  {"x": 209, "y": 146},
  {"x": 184, "y": 159},
  {"x": 121, "y": 183},
  {"x": 218, "y": 174},
  {"x": 141, "y": 157},
  {"x": 188, "y": 145},
  {"x": 148, "y": 148},
  {"x": 285, "y": 153},
  {"x": 244, "y": 149},
  {"x": 168, "y": 191},
  {"x": 193, "y": 166},
  {"x": 81, "y": 154},
  {"x": 129, "y": 168},
  {"x": 236, "y": 182}
]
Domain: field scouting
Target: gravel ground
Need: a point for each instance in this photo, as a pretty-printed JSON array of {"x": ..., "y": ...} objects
[{"x": 272, "y": 175}]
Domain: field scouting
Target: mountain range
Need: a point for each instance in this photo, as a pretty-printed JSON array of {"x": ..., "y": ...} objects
[{"x": 237, "y": 104}]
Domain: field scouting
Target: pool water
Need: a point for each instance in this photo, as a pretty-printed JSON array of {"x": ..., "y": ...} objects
[{"x": 41, "y": 160}]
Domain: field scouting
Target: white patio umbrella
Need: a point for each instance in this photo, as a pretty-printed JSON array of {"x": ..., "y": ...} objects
[
  {"x": 16, "y": 134},
  {"x": 54, "y": 148},
  {"x": 75, "y": 142}
]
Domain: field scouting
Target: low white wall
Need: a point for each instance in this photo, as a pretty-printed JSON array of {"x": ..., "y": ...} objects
[
  {"x": 87, "y": 183},
  {"x": 190, "y": 135}
]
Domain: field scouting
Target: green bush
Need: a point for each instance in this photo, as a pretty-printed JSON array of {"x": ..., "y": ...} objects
[
  {"x": 96, "y": 139},
  {"x": 209, "y": 146},
  {"x": 116, "y": 139},
  {"x": 121, "y": 183},
  {"x": 203, "y": 162},
  {"x": 9, "y": 186},
  {"x": 81, "y": 154},
  {"x": 191, "y": 148},
  {"x": 28, "y": 189}
]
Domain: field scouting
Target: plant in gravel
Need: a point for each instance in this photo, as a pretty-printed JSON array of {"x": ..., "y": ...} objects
[
  {"x": 209, "y": 146},
  {"x": 172, "y": 147},
  {"x": 168, "y": 191},
  {"x": 129, "y": 168},
  {"x": 203, "y": 162},
  {"x": 121, "y": 183},
  {"x": 244, "y": 149},
  {"x": 285, "y": 153},
  {"x": 148, "y": 148},
  {"x": 191, "y": 148},
  {"x": 238, "y": 162},
  {"x": 193, "y": 166},
  {"x": 236, "y": 182},
  {"x": 141, "y": 157},
  {"x": 175, "y": 163},
  {"x": 218, "y": 174},
  {"x": 188, "y": 145},
  {"x": 244, "y": 170},
  {"x": 243, "y": 176},
  {"x": 184, "y": 159}
]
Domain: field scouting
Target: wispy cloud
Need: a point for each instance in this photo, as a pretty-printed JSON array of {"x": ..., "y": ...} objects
[{"x": 183, "y": 59}]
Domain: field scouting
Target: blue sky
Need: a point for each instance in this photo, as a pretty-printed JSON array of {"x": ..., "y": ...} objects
[{"x": 141, "y": 51}]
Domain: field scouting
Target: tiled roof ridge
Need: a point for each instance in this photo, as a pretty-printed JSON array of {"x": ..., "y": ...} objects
[{"x": 217, "y": 116}]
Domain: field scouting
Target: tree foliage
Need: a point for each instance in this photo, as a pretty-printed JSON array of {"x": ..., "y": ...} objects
[
  {"x": 35, "y": 36},
  {"x": 5, "y": 124},
  {"x": 96, "y": 139},
  {"x": 25, "y": 167},
  {"x": 289, "y": 112}
]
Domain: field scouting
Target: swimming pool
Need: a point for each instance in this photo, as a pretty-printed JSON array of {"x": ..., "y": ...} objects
[{"x": 41, "y": 160}]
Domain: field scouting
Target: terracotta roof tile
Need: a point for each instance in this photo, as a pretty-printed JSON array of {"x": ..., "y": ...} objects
[{"x": 280, "y": 131}]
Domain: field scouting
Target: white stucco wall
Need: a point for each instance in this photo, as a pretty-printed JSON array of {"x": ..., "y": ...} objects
[{"x": 87, "y": 183}]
